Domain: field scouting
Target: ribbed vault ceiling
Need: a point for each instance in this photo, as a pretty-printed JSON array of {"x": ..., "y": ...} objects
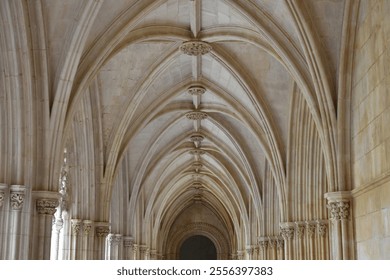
[{"x": 134, "y": 62}]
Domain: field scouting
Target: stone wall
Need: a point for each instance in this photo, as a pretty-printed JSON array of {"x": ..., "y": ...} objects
[{"x": 371, "y": 132}]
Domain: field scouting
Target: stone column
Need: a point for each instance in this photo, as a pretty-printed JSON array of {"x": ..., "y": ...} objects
[
  {"x": 300, "y": 234},
  {"x": 101, "y": 231},
  {"x": 249, "y": 252},
  {"x": 144, "y": 251},
  {"x": 280, "y": 248},
  {"x": 75, "y": 246},
  {"x": 272, "y": 249},
  {"x": 4, "y": 198},
  {"x": 46, "y": 204},
  {"x": 153, "y": 255},
  {"x": 114, "y": 246},
  {"x": 135, "y": 251},
  {"x": 255, "y": 252},
  {"x": 322, "y": 228},
  {"x": 87, "y": 252},
  {"x": 263, "y": 246},
  {"x": 128, "y": 242},
  {"x": 340, "y": 231},
  {"x": 17, "y": 199},
  {"x": 310, "y": 240},
  {"x": 287, "y": 230},
  {"x": 240, "y": 255}
]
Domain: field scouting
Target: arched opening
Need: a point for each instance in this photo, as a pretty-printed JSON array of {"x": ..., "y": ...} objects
[{"x": 198, "y": 247}]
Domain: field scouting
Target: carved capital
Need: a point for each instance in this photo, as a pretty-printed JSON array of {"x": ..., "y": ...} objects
[
  {"x": 87, "y": 226},
  {"x": 195, "y": 48},
  {"x": 128, "y": 241},
  {"x": 263, "y": 245},
  {"x": 322, "y": 228},
  {"x": 300, "y": 230},
  {"x": 76, "y": 226},
  {"x": 135, "y": 248},
  {"x": 240, "y": 255},
  {"x": 287, "y": 232},
  {"x": 339, "y": 210},
  {"x": 17, "y": 200},
  {"x": 2, "y": 197},
  {"x": 279, "y": 243},
  {"x": 339, "y": 205},
  {"x": 272, "y": 242},
  {"x": 102, "y": 231},
  {"x": 46, "y": 206},
  {"x": 344, "y": 207},
  {"x": 310, "y": 229},
  {"x": 118, "y": 238},
  {"x": 249, "y": 250}
]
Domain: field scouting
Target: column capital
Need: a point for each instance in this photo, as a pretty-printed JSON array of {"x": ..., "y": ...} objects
[
  {"x": 280, "y": 243},
  {"x": 46, "y": 206},
  {"x": 102, "y": 229},
  {"x": 300, "y": 229},
  {"x": 87, "y": 226},
  {"x": 46, "y": 202},
  {"x": 128, "y": 241},
  {"x": 3, "y": 188},
  {"x": 311, "y": 228},
  {"x": 339, "y": 205},
  {"x": 287, "y": 230},
  {"x": 17, "y": 196},
  {"x": 322, "y": 227},
  {"x": 271, "y": 242},
  {"x": 76, "y": 226},
  {"x": 249, "y": 250}
]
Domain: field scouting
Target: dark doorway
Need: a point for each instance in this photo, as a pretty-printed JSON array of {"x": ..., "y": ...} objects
[{"x": 198, "y": 247}]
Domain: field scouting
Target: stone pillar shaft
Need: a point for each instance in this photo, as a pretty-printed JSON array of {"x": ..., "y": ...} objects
[
  {"x": 339, "y": 205},
  {"x": 4, "y": 210},
  {"x": 101, "y": 231},
  {"x": 17, "y": 201},
  {"x": 45, "y": 204},
  {"x": 75, "y": 250}
]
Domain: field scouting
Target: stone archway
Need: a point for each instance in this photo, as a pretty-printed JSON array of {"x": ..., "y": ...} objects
[
  {"x": 198, "y": 247},
  {"x": 214, "y": 234}
]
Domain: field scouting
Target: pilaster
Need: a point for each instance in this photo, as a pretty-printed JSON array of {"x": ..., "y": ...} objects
[
  {"x": 340, "y": 230},
  {"x": 4, "y": 212},
  {"x": 102, "y": 229},
  {"x": 76, "y": 227},
  {"x": 45, "y": 206},
  {"x": 128, "y": 243},
  {"x": 18, "y": 222},
  {"x": 288, "y": 231}
]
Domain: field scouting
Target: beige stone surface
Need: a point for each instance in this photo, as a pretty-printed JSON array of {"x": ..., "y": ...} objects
[{"x": 285, "y": 155}]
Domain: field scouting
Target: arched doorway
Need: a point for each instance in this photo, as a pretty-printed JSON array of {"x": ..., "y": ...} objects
[{"x": 198, "y": 247}]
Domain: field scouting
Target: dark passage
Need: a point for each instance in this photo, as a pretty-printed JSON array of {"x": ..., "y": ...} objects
[{"x": 198, "y": 247}]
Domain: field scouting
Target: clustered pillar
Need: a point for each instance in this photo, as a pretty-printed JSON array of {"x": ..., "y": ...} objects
[{"x": 339, "y": 205}]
